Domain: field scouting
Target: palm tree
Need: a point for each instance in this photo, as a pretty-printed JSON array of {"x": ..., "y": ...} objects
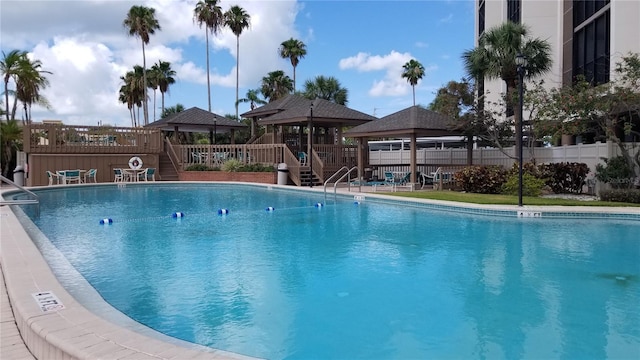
[
  {"x": 253, "y": 99},
  {"x": 10, "y": 65},
  {"x": 276, "y": 85},
  {"x": 237, "y": 20},
  {"x": 10, "y": 137},
  {"x": 125, "y": 96},
  {"x": 172, "y": 110},
  {"x": 152, "y": 82},
  {"x": 293, "y": 50},
  {"x": 133, "y": 90},
  {"x": 495, "y": 58},
  {"x": 208, "y": 12},
  {"x": 413, "y": 72},
  {"x": 141, "y": 22},
  {"x": 30, "y": 82},
  {"x": 327, "y": 88},
  {"x": 165, "y": 78}
]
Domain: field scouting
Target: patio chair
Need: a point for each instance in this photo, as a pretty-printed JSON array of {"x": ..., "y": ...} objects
[
  {"x": 118, "y": 175},
  {"x": 90, "y": 176},
  {"x": 72, "y": 176},
  {"x": 302, "y": 157},
  {"x": 147, "y": 174},
  {"x": 53, "y": 177}
]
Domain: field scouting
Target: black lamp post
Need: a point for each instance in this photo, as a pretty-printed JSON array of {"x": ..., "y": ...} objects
[
  {"x": 310, "y": 148},
  {"x": 215, "y": 129},
  {"x": 521, "y": 63}
]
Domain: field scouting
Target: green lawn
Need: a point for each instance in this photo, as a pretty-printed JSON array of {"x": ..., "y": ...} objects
[{"x": 502, "y": 199}]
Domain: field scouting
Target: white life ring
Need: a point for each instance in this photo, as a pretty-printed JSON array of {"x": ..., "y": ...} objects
[{"x": 135, "y": 163}]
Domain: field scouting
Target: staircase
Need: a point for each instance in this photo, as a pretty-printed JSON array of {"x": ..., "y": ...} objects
[
  {"x": 306, "y": 178},
  {"x": 165, "y": 168}
]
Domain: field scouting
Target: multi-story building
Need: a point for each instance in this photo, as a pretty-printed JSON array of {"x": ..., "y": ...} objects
[{"x": 587, "y": 37}]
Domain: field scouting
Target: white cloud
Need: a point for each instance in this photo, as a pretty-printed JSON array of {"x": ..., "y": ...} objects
[
  {"x": 446, "y": 19},
  {"x": 420, "y": 44},
  {"x": 392, "y": 84},
  {"x": 86, "y": 47}
]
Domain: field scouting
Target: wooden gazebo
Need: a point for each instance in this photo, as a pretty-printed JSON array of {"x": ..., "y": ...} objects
[
  {"x": 198, "y": 120},
  {"x": 411, "y": 122}
]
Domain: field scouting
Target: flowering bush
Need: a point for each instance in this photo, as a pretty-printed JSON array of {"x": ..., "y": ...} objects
[{"x": 481, "y": 179}]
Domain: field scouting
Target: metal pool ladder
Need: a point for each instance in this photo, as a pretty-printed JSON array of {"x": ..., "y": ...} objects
[
  {"x": 35, "y": 200},
  {"x": 335, "y": 184}
]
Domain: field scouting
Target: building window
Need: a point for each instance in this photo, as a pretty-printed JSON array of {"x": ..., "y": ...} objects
[
  {"x": 481, "y": 18},
  {"x": 591, "y": 44},
  {"x": 513, "y": 10},
  {"x": 584, "y": 9}
]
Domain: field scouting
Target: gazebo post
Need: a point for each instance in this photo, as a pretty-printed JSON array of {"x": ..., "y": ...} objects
[
  {"x": 414, "y": 168},
  {"x": 361, "y": 141}
]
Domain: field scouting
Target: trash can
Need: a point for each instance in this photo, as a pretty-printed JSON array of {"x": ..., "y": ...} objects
[
  {"x": 283, "y": 174},
  {"x": 18, "y": 175}
]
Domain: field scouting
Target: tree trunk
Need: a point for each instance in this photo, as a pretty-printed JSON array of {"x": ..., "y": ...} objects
[
  {"x": 145, "y": 109},
  {"x": 208, "y": 81},
  {"x": 6, "y": 96},
  {"x": 237, "y": 71}
]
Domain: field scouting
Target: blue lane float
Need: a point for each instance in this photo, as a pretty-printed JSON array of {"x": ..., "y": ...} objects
[
  {"x": 356, "y": 203},
  {"x": 106, "y": 221},
  {"x": 177, "y": 215},
  {"x": 223, "y": 211},
  {"x": 319, "y": 205},
  {"x": 270, "y": 209}
]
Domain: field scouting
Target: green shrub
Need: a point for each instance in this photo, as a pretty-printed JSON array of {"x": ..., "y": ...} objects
[
  {"x": 621, "y": 195},
  {"x": 232, "y": 165},
  {"x": 615, "y": 172},
  {"x": 198, "y": 167},
  {"x": 563, "y": 177},
  {"x": 258, "y": 168},
  {"x": 481, "y": 179},
  {"x": 531, "y": 185}
]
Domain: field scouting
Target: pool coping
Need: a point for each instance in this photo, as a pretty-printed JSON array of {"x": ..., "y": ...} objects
[{"x": 76, "y": 333}]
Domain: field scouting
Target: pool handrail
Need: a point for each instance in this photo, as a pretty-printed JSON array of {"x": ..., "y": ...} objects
[
  {"x": 35, "y": 200},
  {"x": 348, "y": 173}
]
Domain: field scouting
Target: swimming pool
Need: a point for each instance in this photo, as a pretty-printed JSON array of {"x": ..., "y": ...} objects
[{"x": 347, "y": 280}]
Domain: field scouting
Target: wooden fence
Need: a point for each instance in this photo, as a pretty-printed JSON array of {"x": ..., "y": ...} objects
[{"x": 69, "y": 139}]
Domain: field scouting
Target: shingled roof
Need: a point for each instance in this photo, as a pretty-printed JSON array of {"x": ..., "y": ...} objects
[
  {"x": 296, "y": 110},
  {"x": 413, "y": 120},
  {"x": 276, "y": 106},
  {"x": 196, "y": 119}
]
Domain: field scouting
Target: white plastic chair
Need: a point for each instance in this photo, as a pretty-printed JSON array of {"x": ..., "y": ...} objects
[
  {"x": 90, "y": 175},
  {"x": 72, "y": 176},
  {"x": 53, "y": 177},
  {"x": 147, "y": 174},
  {"x": 118, "y": 175}
]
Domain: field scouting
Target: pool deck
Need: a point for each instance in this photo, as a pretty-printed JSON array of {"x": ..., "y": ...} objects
[{"x": 73, "y": 332}]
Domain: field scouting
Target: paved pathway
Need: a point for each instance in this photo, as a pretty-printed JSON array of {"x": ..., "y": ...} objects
[{"x": 12, "y": 346}]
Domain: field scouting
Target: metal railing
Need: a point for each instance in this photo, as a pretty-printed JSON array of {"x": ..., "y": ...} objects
[
  {"x": 335, "y": 184},
  {"x": 35, "y": 200}
]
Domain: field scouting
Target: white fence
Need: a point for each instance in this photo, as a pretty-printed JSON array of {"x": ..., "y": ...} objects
[{"x": 590, "y": 154}]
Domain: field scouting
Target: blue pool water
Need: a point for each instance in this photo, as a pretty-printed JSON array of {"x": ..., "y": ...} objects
[{"x": 371, "y": 280}]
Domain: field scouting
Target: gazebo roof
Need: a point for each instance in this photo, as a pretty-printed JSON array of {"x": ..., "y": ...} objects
[
  {"x": 276, "y": 106},
  {"x": 296, "y": 110},
  {"x": 196, "y": 120},
  {"x": 413, "y": 120}
]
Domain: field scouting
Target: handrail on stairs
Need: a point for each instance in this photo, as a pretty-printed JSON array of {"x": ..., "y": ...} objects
[
  {"x": 35, "y": 200},
  {"x": 335, "y": 184}
]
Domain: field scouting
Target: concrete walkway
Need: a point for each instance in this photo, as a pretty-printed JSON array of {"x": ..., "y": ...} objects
[{"x": 11, "y": 344}]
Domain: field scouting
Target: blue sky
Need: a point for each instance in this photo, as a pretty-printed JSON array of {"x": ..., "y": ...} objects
[{"x": 361, "y": 43}]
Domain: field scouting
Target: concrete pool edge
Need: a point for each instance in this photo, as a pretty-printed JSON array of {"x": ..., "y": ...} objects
[{"x": 75, "y": 332}]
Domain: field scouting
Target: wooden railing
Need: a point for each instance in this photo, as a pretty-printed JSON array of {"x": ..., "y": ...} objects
[
  {"x": 266, "y": 138},
  {"x": 69, "y": 139},
  {"x": 216, "y": 155},
  {"x": 171, "y": 152}
]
